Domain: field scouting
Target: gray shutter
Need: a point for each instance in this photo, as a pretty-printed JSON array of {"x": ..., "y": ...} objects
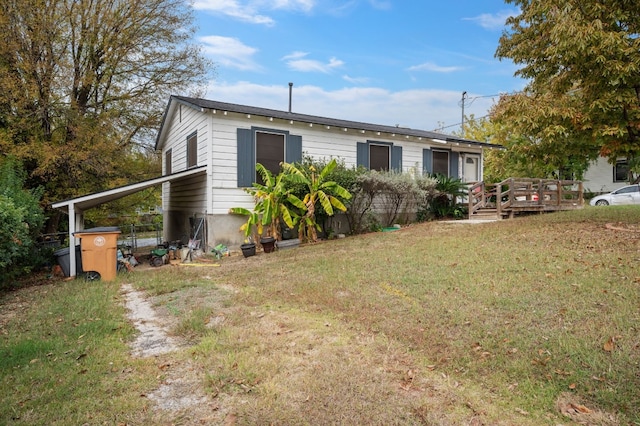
[
  {"x": 453, "y": 165},
  {"x": 294, "y": 149},
  {"x": 427, "y": 161},
  {"x": 246, "y": 158},
  {"x": 396, "y": 158},
  {"x": 362, "y": 155}
]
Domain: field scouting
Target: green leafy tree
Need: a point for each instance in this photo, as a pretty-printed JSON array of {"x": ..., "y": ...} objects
[
  {"x": 582, "y": 61},
  {"x": 83, "y": 86},
  {"x": 320, "y": 192},
  {"x": 21, "y": 221}
]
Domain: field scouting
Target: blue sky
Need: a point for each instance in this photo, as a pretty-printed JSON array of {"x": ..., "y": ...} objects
[{"x": 392, "y": 62}]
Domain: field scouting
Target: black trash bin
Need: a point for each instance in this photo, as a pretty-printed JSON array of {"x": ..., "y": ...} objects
[{"x": 64, "y": 260}]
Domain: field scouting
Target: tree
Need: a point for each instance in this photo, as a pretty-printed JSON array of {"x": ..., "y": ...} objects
[
  {"x": 83, "y": 85},
  {"x": 582, "y": 60},
  {"x": 530, "y": 151}
]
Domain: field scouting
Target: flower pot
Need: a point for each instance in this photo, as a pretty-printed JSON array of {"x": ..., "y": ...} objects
[
  {"x": 287, "y": 244},
  {"x": 248, "y": 249},
  {"x": 268, "y": 244}
]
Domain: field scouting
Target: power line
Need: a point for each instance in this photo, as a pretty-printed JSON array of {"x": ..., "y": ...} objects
[
  {"x": 458, "y": 124},
  {"x": 471, "y": 100}
]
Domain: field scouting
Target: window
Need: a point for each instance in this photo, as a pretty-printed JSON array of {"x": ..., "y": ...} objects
[
  {"x": 269, "y": 152},
  {"x": 167, "y": 162},
  {"x": 274, "y": 146},
  {"x": 375, "y": 155},
  {"x": 471, "y": 168},
  {"x": 621, "y": 171},
  {"x": 628, "y": 189},
  {"x": 440, "y": 162},
  {"x": 192, "y": 150},
  {"x": 379, "y": 157}
]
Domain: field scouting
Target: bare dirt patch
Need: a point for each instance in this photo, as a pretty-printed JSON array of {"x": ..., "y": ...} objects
[
  {"x": 181, "y": 391},
  {"x": 153, "y": 338},
  {"x": 620, "y": 226}
]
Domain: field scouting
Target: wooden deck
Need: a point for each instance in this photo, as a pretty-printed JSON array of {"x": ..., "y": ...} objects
[{"x": 523, "y": 195}]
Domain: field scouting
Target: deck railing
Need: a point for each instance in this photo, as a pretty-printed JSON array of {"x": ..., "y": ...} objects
[{"x": 526, "y": 194}]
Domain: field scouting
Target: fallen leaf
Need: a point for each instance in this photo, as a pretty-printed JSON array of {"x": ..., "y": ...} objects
[
  {"x": 609, "y": 345},
  {"x": 580, "y": 408}
]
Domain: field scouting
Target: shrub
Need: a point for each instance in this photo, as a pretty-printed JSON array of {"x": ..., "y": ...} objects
[
  {"x": 21, "y": 220},
  {"x": 388, "y": 194},
  {"x": 445, "y": 202}
]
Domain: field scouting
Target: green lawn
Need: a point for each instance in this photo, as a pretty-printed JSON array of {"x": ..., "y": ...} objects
[{"x": 525, "y": 321}]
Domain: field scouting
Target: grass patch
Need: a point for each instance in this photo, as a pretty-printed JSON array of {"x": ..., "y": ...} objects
[
  {"x": 64, "y": 359},
  {"x": 526, "y": 321}
]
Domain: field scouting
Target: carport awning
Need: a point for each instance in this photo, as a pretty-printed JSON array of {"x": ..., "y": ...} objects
[
  {"x": 86, "y": 202},
  {"x": 75, "y": 206}
]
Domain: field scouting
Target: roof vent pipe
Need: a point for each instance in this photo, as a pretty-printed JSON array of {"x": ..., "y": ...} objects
[{"x": 290, "y": 93}]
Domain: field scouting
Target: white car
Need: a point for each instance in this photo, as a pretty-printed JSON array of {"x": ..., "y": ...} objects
[{"x": 629, "y": 194}]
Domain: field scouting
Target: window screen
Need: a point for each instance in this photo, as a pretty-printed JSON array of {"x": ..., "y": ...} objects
[
  {"x": 192, "y": 150},
  {"x": 378, "y": 157},
  {"x": 621, "y": 171},
  {"x": 167, "y": 162},
  {"x": 441, "y": 162},
  {"x": 269, "y": 151}
]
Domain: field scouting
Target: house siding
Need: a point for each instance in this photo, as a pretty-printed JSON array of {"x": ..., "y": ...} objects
[
  {"x": 184, "y": 198},
  {"x": 218, "y": 149},
  {"x": 599, "y": 177}
]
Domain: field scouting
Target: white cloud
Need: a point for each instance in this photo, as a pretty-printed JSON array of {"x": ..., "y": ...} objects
[
  {"x": 494, "y": 21},
  {"x": 297, "y": 61},
  {"x": 380, "y": 4},
  {"x": 419, "y": 109},
  {"x": 430, "y": 66},
  {"x": 229, "y": 52},
  {"x": 302, "y": 5},
  {"x": 294, "y": 55},
  {"x": 253, "y": 11},
  {"x": 356, "y": 80}
]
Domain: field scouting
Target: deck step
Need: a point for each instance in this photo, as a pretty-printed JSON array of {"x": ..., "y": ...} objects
[{"x": 485, "y": 213}]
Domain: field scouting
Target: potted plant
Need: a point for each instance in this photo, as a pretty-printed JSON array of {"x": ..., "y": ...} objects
[
  {"x": 271, "y": 202},
  {"x": 248, "y": 248},
  {"x": 253, "y": 226},
  {"x": 270, "y": 208}
]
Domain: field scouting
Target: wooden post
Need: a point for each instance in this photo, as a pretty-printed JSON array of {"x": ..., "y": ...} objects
[
  {"x": 499, "y": 200},
  {"x": 580, "y": 193}
]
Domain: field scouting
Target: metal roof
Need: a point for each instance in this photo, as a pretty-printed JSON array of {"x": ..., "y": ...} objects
[
  {"x": 204, "y": 104},
  {"x": 86, "y": 202}
]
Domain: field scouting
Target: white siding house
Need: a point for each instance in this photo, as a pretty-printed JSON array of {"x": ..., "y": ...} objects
[
  {"x": 228, "y": 140},
  {"x": 602, "y": 176}
]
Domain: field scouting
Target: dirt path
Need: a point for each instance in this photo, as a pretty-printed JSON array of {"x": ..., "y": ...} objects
[{"x": 181, "y": 391}]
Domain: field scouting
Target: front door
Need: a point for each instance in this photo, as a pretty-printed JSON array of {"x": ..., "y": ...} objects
[{"x": 471, "y": 168}]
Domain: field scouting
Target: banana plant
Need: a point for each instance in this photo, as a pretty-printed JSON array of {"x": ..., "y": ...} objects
[
  {"x": 319, "y": 191},
  {"x": 270, "y": 205},
  {"x": 252, "y": 228}
]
